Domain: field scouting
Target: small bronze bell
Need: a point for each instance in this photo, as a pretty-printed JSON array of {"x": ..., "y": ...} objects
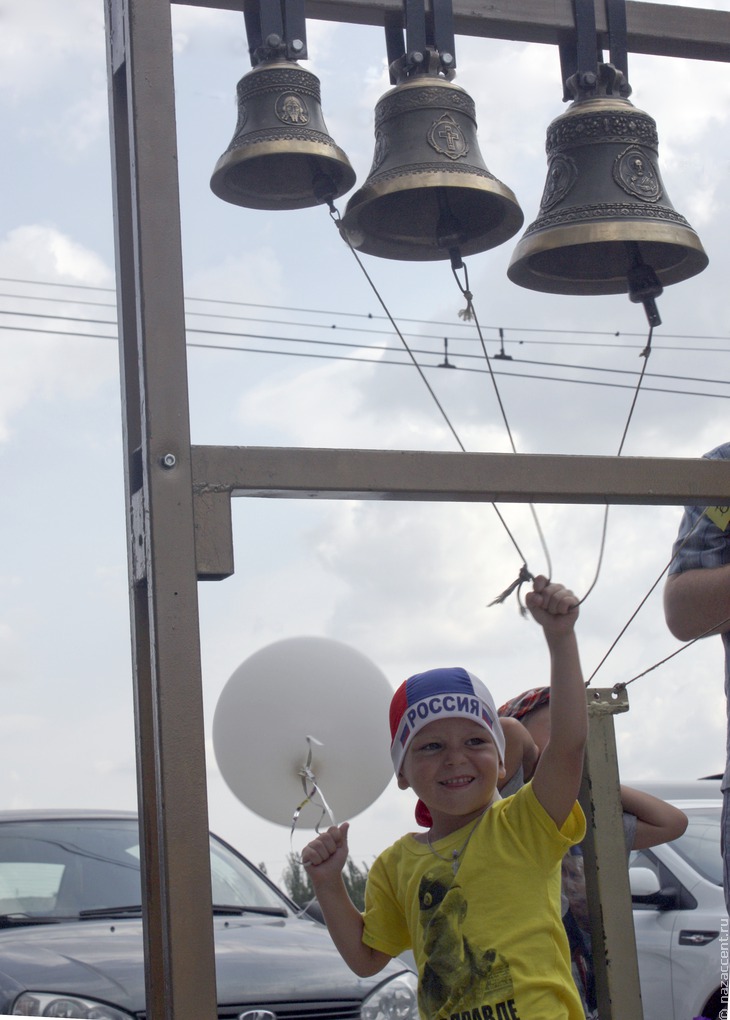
[
  {"x": 428, "y": 191},
  {"x": 605, "y": 218},
  {"x": 281, "y": 156}
]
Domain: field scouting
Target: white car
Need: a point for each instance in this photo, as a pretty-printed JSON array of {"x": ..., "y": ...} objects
[{"x": 680, "y": 919}]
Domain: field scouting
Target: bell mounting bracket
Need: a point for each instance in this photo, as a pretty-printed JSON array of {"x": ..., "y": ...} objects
[
  {"x": 275, "y": 29},
  {"x": 428, "y": 47},
  {"x": 583, "y": 70}
]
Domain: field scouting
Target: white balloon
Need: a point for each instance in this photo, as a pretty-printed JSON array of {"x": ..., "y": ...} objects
[{"x": 286, "y": 692}]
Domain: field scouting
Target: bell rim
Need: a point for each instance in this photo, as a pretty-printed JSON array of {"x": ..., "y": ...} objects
[
  {"x": 329, "y": 154},
  {"x": 522, "y": 273},
  {"x": 408, "y": 251},
  {"x": 449, "y": 177}
]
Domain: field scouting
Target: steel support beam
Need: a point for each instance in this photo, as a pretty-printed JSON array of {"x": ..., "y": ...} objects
[
  {"x": 459, "y": 477},
  {"x": 178, "y": 924},
  {"x": 220, "y": 472},
  {"x": 606, "y": 872},
  {"x": 660, "y": 29}
]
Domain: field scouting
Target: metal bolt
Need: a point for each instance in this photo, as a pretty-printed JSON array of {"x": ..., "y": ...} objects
[
  {"x": 168, "y": 460},
  {"x": 297, "y": 45}
]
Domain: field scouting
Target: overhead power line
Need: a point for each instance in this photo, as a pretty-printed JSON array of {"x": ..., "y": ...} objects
[
  {"x": 387, "y": 361},
  {"x": 462, "y": 328}
]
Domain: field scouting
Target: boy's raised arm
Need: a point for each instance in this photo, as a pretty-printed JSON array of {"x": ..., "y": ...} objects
[
  {"x": 324, "y": 859},
  {"x": 558, "y": 774}
]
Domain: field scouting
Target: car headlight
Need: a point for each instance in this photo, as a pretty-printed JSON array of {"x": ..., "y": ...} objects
[
  {"x": 397, "y": 999},
  {"x": 48, "y": 1004}
]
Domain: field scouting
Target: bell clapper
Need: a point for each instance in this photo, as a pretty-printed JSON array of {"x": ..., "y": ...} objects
[{"x": 644, "y": 286}]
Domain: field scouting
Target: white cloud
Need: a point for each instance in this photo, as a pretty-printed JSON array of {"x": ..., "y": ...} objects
[
  {"x": 42, "y": 252},
  {"x": 40, "y": 40}
]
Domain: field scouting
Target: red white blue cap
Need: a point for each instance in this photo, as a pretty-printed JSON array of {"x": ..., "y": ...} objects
[{"x": 451, "y": 693}]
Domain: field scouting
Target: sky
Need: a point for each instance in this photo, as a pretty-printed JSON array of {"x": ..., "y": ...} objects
[{"x": 405, "y": 584}]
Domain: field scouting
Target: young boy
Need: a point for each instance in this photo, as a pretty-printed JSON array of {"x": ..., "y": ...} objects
[{"x": 477, "y": 897}]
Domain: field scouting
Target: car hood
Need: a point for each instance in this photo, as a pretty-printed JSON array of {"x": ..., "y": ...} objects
[{"x": 258, "y": 960}]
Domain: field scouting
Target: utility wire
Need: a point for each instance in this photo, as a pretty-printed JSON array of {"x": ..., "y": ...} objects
[
  {"x": 357, "y": 315},
  {"x": 367, "y": 347},
  {"x": 370, "y": 361}
]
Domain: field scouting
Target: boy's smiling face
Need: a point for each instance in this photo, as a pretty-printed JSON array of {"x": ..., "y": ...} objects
[{"x": 453, "y": 765}]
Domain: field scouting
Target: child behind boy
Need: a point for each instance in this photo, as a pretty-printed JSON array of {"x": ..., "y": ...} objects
[{"x": 477, "y": 897}]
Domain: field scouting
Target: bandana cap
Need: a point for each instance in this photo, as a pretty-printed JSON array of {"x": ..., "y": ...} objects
[
  {"x": 448, "y": 693},
  {"x": 525, "y": 703}
]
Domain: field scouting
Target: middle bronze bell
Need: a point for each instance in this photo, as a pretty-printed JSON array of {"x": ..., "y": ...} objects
[{"x": 429, "y": 191}]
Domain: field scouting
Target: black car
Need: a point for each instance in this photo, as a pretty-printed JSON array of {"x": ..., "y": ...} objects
[{"x": 71, "y": 932}]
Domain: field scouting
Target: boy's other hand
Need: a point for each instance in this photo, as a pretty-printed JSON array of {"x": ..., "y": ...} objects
[
  {"x": 326, "y": 855},
  {"x": 552, "y": 605}
]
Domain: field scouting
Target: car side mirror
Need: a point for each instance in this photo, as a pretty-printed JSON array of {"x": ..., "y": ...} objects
[
  {"x": 643, "y": 882},
  {"x": 645, "y": 889}
]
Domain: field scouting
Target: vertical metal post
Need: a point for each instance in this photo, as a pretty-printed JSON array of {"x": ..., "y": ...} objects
[
  {"x": 606, "y": 872},
  {"x": 179, "y": 955}
]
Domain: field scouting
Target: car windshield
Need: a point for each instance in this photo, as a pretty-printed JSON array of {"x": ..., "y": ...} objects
[
  {"x": 700, "y": 844},
  {"x": 60, "y": 868}
]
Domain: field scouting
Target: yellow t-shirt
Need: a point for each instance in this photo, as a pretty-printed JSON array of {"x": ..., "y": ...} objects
[{"x": 489, "y": 941}]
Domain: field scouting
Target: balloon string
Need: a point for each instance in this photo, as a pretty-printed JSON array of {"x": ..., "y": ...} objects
[{"x": 309, "y": 779}]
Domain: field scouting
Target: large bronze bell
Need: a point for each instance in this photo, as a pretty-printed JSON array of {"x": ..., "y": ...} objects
[
  {"x": 604, "y": 214},
  {"x": 281, "y": 156},
  {"x": 428, "y": 191}
]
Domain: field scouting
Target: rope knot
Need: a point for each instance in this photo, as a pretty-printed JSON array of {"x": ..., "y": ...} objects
[
  {"x": 467, "y": 314},
  {"x": 523, "y": 577}
]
